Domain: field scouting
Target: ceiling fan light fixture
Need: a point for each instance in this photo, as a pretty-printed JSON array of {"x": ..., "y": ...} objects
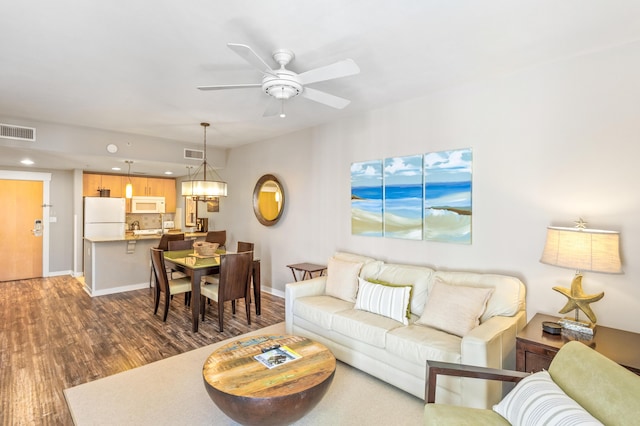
[
  {"x": 282, "y": 114},
  {"x": 204, "y": 190}
]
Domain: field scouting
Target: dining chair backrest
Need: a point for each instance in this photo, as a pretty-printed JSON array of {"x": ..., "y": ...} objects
[
  {"x": 219, "y": 237},
  {"x": 235, "y": 270},
  {"x": 164, "y": 240},
  {"x": 244, "y": 246},
  {"x": 159, "y": 269},
  {"x": 181, "y": 245}
]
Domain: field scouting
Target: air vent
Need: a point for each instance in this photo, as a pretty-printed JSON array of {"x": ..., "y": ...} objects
[
  {"x": 9, "y": 131},
  {"x": 193, "y": 154}
]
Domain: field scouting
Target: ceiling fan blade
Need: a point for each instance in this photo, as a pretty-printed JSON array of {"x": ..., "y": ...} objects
[
  {"x": 247, "y": 53},
  {"x": 325, "y": 98},
  {"x": 339, "y": 69},
  {"x": 230, "y": 86}
]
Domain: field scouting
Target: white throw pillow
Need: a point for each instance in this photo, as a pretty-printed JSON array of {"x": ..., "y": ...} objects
[
  {"x": 342, "y": 279},
  {"x": 455, "y": 309},
  {"x": 387, "y": 300},
  {"x": 537, "y": 400}
]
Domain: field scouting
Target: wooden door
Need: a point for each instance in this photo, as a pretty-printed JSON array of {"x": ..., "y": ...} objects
[{"x": 21, "y": 250}]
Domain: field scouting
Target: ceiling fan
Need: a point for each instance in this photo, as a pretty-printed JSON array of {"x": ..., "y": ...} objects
[{"x": 282, "y": 84}]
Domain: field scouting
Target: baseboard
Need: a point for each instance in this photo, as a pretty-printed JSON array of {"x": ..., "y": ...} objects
[
  {"x": 272, "y": 291},
  {"x": 114, "y": 290}
]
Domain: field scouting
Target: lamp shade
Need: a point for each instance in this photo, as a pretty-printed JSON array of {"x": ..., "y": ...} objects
[
  {"x": 583, "y": 249},
  {"x": 204, "y": 188}
]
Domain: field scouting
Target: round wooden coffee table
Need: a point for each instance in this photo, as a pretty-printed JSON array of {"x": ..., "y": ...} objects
[{"x": 252, "y": 394}]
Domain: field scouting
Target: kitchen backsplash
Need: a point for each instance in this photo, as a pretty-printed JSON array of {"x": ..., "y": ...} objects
[{"x": 148, "y": 221}]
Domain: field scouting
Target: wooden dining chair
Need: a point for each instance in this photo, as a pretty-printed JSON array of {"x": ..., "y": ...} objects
[
  {"x": 244, "y": 246},
  {"x": 219, "y": 237},
  {"x": 165, "y": 285},
  {"x": 181, "y": 245},
  {"x": 164, "y": 245},
  {"x": 235, "y": 272}
]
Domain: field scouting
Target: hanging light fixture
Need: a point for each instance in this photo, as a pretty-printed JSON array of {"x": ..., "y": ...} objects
[
  {"x": 204, "y": 190},
  {"x": 128, "y": 191}
]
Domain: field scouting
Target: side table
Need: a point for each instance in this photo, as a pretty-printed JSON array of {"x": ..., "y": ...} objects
[
  {"x": 535, "y": 349},
  {"x": 307, "y": 270}
]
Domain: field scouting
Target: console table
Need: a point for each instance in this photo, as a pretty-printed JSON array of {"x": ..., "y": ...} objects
[{"x": 535, "y": 349}]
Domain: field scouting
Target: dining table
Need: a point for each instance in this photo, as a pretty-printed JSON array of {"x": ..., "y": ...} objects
[{"x": 197, "y": 266}]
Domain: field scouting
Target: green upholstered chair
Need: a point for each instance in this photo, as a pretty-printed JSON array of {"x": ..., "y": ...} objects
[{"x": 603, "y": 388}]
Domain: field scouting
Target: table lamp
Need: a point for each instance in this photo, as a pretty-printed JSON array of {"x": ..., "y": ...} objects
[{"x": 581, "y": 249}]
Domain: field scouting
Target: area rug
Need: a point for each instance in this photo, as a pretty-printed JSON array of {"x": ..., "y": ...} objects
[{"x": 172, "y": 392}]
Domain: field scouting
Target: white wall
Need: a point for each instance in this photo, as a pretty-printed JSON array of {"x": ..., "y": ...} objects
[{"x": 550, "y": 144}]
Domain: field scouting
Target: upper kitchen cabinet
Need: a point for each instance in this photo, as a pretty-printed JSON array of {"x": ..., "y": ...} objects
[
  {"x": 92, "y": 183},
  {"x": 142, "y": 186},
  {"x": 155, "y": 187}
]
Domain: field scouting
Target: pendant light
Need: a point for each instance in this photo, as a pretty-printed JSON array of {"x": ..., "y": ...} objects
[
  {"x": 204, "y": 190},
  {"x": 128, "y": 191}
]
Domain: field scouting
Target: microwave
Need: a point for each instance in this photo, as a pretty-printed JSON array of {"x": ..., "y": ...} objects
[{"x": 147, "y": 205}]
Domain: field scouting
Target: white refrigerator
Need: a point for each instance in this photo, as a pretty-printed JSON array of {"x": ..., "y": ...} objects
[{"x": 104, "y": 217}]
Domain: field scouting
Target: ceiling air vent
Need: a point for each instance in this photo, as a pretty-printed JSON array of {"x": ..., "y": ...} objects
[
  {"x": 193, "y": 154},
  {"x": 9, "y": 131}
]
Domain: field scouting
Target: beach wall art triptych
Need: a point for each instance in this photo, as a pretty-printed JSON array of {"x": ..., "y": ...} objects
[{"x": 418, "y": 197}]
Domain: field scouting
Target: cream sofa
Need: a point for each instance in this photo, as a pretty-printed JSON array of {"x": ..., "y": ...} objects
[{"x": 323, "y": 309}]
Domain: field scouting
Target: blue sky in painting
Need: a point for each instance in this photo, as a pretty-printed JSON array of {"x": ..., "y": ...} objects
[
  {"x": 403, "y": 170},
  {"x": 366, "y": 173},
  {"x": 448, "y": 166}
]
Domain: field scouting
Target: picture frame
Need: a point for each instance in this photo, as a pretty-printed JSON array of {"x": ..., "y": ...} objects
[
  {"x": 190, "y": 211},
  {"x": 213, "y": 206}
]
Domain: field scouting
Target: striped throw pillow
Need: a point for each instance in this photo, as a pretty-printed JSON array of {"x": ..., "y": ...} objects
[
  {"x": 537, "y": 400},
  {"x": 386, "y": 300}
]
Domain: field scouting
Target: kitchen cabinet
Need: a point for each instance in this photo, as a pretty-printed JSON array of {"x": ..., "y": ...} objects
[
  {"x": 156, "y": 187},
  {"x": 91, "y": 182},
  {"x": 142, "y": 186}
]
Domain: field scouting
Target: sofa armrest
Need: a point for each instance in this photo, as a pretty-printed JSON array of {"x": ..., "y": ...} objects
[
  {"x": 312, "y": 287},
  {"x": 435, "y": 368},
  {"x": 492, "y": 343}
]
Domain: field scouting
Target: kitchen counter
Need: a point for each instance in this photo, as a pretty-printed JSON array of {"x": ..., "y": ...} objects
[
  {"x": 115, "y": 265},
  {"x": 129, "y": 237}
]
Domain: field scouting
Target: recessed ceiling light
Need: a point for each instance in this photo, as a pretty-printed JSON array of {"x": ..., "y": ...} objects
[
  {"x": 27, "y": 162},
  {"x": 168, "y": 172},
  {"x": 116, "y": 168}
]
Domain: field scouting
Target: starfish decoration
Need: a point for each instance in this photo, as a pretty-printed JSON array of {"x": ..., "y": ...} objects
[
  {"x": 577, "y": 298},
  {"x": 580, "y": 224}
]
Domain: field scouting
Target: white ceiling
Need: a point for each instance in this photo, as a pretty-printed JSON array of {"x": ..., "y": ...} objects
[{"x": 133, "y": 66}]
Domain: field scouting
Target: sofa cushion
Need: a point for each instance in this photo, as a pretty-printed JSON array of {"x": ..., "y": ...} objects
[
  {"x": 417, "y": 276},
  {"x": 319, "y": 309},
  {"x": 417, "y": 344},
  {"x": 538, "y": 400},
  {"x": 384, "y": 299},
  {"x": 342, "y": 279},
  {"x": 363, "y": 326},
  {"x": 507, "y": 299},
  {"x": 455, "y": 309}
]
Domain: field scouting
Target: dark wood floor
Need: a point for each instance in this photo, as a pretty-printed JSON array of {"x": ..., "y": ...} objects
[{"x": 54, "y": 336}]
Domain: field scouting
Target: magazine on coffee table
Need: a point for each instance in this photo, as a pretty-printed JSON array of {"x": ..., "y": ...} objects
[{"x": 277, "y": 356}]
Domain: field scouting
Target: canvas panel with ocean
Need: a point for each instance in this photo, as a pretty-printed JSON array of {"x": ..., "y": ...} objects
[
  {"x": 366, "y": 211},
  {"x": 447, "y": 212}
]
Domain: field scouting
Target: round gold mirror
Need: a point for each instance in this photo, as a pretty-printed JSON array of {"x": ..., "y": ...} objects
[{"x": 268, "y": 200}]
